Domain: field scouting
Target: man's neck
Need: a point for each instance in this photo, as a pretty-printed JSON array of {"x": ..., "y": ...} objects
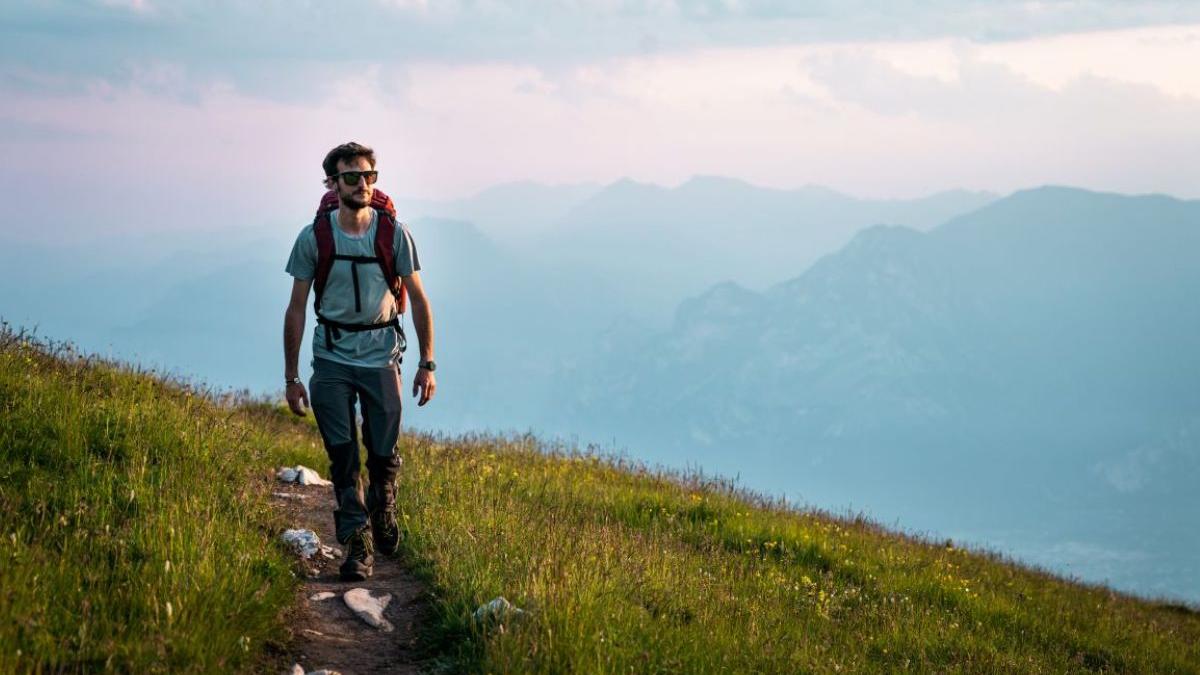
[{"x": 354, "y": 221}]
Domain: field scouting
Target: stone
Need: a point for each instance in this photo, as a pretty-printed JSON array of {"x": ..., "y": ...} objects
[
  {"x": 497, "y": 609},
  {"x": 309, "y": 477},
  {"x": 323, "y": 595},
  {"x": 300, "y": 474},
  {"x": 368, "y": 608},
  {"x": 297, "y": 669},
  {"x": 303, "y": 542},
  {"x": 287, "y": 495}
]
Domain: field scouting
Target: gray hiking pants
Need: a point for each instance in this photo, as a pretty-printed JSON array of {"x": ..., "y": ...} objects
[{"x": 333, "y": 390}]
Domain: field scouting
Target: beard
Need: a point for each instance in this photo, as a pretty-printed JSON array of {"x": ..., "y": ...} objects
[{"x": 355, "y": 200}]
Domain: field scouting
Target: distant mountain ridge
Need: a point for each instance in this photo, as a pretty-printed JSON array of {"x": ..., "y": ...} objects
[
  {"x": 521, "y": 209},
  {"x": 1047, "y": 341},
  {"x": 705, "y": 197},
  {"x": 984, "y": 273},
  {"x": 711, "y": 228}
]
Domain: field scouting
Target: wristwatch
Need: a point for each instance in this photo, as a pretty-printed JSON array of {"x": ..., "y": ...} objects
[
  {"x": 292, "y": 380},
  {"x": 429, "y": 365}
]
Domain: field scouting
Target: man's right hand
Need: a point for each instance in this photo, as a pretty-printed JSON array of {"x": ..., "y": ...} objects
[{"x": 297, "y": 398}]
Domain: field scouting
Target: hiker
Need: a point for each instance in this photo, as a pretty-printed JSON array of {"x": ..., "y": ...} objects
[{"x": 361, "y": 263}]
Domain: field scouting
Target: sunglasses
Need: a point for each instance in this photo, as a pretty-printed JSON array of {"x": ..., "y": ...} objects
[{"x": 352, "y": 177}]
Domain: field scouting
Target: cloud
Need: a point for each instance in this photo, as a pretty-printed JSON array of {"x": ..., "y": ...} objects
[
  {"x": 874, "y": 118},
  {"x": 992, "y": 119},
  {"x": 846, "y": 116},
  {"x": 139, "y": 6},
  {"x": 266, "y": 47}
]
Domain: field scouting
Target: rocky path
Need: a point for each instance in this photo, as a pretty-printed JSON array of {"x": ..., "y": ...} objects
[{"x": 326, "y": 633}]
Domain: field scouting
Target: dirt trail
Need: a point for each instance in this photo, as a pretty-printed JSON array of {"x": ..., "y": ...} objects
[{"x": 326, "y": 633}]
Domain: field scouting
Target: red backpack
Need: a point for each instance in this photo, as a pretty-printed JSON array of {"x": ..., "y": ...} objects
[{"x": 385, "y": 257}]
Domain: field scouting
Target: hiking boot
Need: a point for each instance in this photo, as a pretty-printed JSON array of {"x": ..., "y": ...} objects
[
  {"x": 381, "y": 505},
  {"x": 385, "y": 530},
  {"x": 359, "y": 559}
]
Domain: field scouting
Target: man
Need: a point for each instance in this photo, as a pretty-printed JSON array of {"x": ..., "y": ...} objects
[{"x": 357, "y": 346}]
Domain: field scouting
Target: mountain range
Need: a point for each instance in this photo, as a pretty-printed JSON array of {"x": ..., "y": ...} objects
[{"x": 1029, "y": 361}]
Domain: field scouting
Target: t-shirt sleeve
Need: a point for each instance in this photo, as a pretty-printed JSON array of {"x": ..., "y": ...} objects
[
  {"x": 302, "y": 264},
  {"x": 407, "y": 261}
]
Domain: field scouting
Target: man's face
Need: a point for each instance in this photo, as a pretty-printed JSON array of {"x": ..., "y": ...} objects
[{"x": 354, "y": 196}]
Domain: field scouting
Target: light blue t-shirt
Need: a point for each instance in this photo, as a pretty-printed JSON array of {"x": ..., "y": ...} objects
[{"x": 374, "y": 302}]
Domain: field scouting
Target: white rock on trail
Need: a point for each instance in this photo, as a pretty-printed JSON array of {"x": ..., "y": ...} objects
[
  {"x": 287, "y": 495},
  {"x": 300, "y": 474},
  {"x": 497, "y": 609},
  {"x": 367, "y": 608},
  {"x": 323, "y": 595},
  {"x": 310, "y": 477},
  {"x": 330, "y": 552},
  {"x": 303, "y": 542},
  {"x": 297, "y": 669}
]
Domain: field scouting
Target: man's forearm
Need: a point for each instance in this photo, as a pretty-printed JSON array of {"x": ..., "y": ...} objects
[
  {"x": 423, "y": 320},
  {"x": 293, "y": 334}
]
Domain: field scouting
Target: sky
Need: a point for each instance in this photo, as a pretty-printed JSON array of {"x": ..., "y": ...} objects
[{"x": 221, "y": 111}]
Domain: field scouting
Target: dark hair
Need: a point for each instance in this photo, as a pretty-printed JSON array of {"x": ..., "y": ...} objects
[{"x": 346, "y": 152}]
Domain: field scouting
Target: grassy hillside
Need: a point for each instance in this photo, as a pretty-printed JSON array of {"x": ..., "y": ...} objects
[
  {"x": 107, "y": 474},
  {"x": 136, "y": 536},
  {"x": 629, "y": 571}
]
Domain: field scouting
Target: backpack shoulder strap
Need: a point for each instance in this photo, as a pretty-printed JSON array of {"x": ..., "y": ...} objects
[
  {"x": 323, "y": 231},
  {"x": 385, "y": 252},
  {"x": 385, "y": 233}
]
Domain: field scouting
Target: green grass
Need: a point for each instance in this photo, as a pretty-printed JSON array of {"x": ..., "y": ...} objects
[
  {"x": 136, "y": 535},
  {"x": 629, "y": 570},
  {"x": 108, "y": 473}
]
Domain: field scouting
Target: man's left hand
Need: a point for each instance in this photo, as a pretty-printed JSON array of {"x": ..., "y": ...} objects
[{"x": 426, "y": 383}]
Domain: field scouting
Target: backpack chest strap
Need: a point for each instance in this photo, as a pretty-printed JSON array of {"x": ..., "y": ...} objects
[
  {"x": 357, "y": 258},
  {"x": 384, "y": 258},
  {"x": 355, "y": 261},
  {"x": 333, "y": 330}
]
